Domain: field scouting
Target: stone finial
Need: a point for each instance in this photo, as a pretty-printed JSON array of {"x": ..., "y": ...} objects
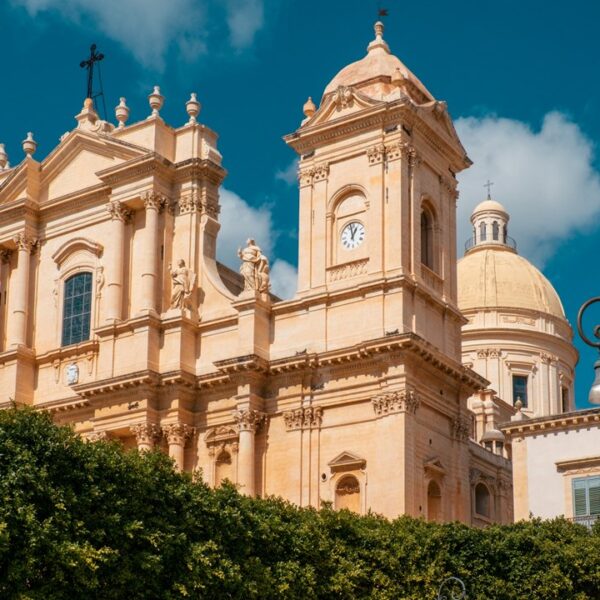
[
  {"x": 156, "y": 101},
  {"x": 29, "y": 144},
  {"x": 122, "y": 112},
  {"x": 378, "y": 42},
  {"x": 519, "y": 404},
  {"x": 3, "y": 158},
  {"x": 309, "y": 108},
  {"x": 192, "y": 106}
]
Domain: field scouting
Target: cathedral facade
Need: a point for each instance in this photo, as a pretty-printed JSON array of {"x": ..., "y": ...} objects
[{"x": 118, "y": 319}]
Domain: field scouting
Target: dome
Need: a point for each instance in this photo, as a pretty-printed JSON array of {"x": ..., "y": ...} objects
[
  {"x": 495, "y": 277},
  {"x": 373, "y": 74},
  {"x": 488, "y": 205}
]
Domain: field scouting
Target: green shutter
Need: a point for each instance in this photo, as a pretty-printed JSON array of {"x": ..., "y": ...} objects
[
  {"x": 594, "y": 496},
  {"x": 579, "y": 498}
]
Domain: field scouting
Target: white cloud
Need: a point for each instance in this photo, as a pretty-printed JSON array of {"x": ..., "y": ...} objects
[
  {"x": 239, "y": 221},
  {"x": 545, "y": 179},
  {"x": 149, "y": 28},
  {"x": 289, "y": 175},
  {"x": 244, "y": 18}
]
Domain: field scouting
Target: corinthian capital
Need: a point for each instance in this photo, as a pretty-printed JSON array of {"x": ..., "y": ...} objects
[
  {"x": 25, "y": 242},
  {"x": 154, "y": 200},
  {"x": 247, "y": 419},
  {"x": 146, "y": 433},
  {"x": 118, "y": 211},
  {"x": 178, "y": 433},
  {"x": 401, "y": 401}
]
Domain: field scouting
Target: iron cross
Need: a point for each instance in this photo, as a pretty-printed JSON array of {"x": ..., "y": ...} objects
[
  {"x": 89, "y": 65},
  {"x": 489, "y": 185}
]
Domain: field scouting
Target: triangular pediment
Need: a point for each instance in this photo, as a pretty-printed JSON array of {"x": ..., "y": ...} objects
[
  {"x": 434, "y": 466},
  {"x": 342, "y": 103},
  {"x": 73, "y": 165},
  {"x": 347, "y": 461}
]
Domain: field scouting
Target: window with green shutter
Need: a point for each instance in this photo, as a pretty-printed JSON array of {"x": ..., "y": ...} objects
[{"x": 586, "y": 496}]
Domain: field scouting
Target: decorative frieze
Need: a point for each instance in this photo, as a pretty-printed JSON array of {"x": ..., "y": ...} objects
[
  {"x": 248, "y": 419},
  {"x": 347, "y": 270},
  {"x": 309, "y": 417},
  {"x": 401, "y": 401},
  {"x": 118, "y": 211}
]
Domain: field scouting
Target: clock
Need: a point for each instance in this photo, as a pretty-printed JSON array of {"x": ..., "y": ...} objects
[{"x": 353, "y": 235}]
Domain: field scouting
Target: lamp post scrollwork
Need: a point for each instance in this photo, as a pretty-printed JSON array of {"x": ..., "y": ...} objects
[
  {"x": 452, "y": 589},
  {"x": 594, "y": 397}
]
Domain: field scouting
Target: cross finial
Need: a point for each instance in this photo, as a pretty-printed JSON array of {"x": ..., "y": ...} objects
[
  {"x": 89, "y": 65},
  {"x": 489, "y": 185}
]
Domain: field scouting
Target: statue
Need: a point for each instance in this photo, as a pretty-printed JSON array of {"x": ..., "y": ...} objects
[
  {"x": 183, "y": 284},
  {"x": 255, "y": 268}
]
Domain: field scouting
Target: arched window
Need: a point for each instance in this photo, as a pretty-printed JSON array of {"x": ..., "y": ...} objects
[
  {"x": 223, "y": 468},
  {"x": 482, "y": 232},
  {"x": 482, "y": 500},
  {"x": 347, "y": 494},
  {"x": 495, "y": 231},
  {"x": 77, "y": 309},
  {"x": 434, "y": 502},
  {"x": 427, "y": 238},
  {"x": 504, "y": 234}
]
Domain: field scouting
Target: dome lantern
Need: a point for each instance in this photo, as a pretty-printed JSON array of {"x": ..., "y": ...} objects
[{"x": 490, "y": 226}]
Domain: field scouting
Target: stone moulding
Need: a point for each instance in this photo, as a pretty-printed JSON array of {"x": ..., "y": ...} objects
[
  {"x": 347, "y": 270},
  {"x": 309, "y": 417},
  {"x": 75, "y": 244}
]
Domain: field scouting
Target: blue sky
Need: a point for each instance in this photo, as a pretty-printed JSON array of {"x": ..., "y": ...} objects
[{"x": 520, "y": 78}]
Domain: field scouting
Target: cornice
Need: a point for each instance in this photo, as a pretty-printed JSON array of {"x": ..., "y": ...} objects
[
  {"x": 151, "y": 163},
  {"x": 118, "y": 383},
  {"x": 553, "y": 423},
  {"x": 199, "y": 168}
]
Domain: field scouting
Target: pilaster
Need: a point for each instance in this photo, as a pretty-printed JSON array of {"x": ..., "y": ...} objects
[{"x": 120, "y": 215}]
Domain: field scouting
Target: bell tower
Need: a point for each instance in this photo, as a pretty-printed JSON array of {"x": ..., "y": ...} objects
[{"x": 378, "y": 160}]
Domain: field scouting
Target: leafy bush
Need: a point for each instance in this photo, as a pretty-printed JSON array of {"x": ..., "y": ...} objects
[{"x": 82, "y": 520}]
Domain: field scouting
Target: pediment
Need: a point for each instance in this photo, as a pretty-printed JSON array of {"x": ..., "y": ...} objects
[
  {"x": 443, "y": 122},
  {"x": 74, "y": 163},
  {"x": 77, "y": 244},
  {"x": 434, "y": 466},
  {"x": 220, "y": 434},
  {"x": 347, "y": 461},
  {"x": 343, "y": 102}
]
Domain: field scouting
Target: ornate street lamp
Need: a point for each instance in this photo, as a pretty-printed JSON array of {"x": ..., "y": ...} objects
[
  {"x": 594, "y": 397},
  {"x": 452, "y": 589}
]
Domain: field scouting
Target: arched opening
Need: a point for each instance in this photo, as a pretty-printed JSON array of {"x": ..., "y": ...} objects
[
  {"x": 77, "y": 309},
  {"x": 482, "y": 500},
  {"x": 347, "y": 494},
  {"x": 223, "y": 468},
  {"x": 434, "y": 502},
  {"x": 495, "y": 231},
  {"x": 482, "y": 232},
  {"x": 504, "y": 234},
  {"x": 427, "y": 231}
]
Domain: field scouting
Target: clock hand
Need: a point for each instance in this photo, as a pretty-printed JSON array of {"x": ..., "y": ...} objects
[{"x": 352, "y": 230}]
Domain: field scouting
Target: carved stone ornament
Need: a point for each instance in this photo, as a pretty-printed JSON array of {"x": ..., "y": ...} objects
[
  {"x": 178, "y": 433},
  {"x": 254, "y": 268},
  {"x": 461, "y": 428},
  {"x": 376, "y": 154},
  {"x": 344, "y": 97},
  {"x": 146, "y": 433},
  {"x": 97, "y": 436},
  {"x": 25, "y": 242},
  {"x": 72, "y": 374},
  {"x": 392, "y": 402},
  {"x": 5, "y": 255},
  {"x": 183, "y": 281},
  {"x": 154, "y": 201},
  {"x": 118, "y": 211},
  {"x": 248, "y": 419},
  {"x": 321, "y": 171},
  {"x": 309, "y": 417},
  {"x": 192, "y": 202}
]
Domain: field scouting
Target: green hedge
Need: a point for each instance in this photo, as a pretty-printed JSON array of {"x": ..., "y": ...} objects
[{"x": 81, "y": 520}]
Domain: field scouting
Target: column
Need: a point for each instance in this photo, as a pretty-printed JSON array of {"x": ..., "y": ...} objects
[
  {"x": 153, "y": 203},
  {"x": 146, "y": 435},
  {"x": 177, "y": 435},
  {"x": 248, "y": 422},
  {"x": 19, "y": 292},
  {"x": 114, "y": 261}
]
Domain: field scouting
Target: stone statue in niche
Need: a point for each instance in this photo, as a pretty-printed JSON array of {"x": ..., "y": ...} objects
[
  {"x": 72, "y": 374},
  {"x": 183, "y": 280},
  {"x": 254, "y": 268}
]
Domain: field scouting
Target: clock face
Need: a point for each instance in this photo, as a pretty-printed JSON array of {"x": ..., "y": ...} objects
[{"x": 353, "y": 235}]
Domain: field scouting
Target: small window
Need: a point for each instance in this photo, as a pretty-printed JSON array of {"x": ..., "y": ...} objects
[
  {"x": 482, "y": 500},
  {"x": 482, "y": 232},
  {"x": 564, "y": 396},
  {"x": 586, "y": 497},
  {"x": 427, "y": 239},
  {"x": 347, "y": 494},
  {"x": 434, "y": 502},
  {"x": 77, "y": 309},
  {"x": 495, "y": 231},
  {"x": 520, "y": 389}
]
